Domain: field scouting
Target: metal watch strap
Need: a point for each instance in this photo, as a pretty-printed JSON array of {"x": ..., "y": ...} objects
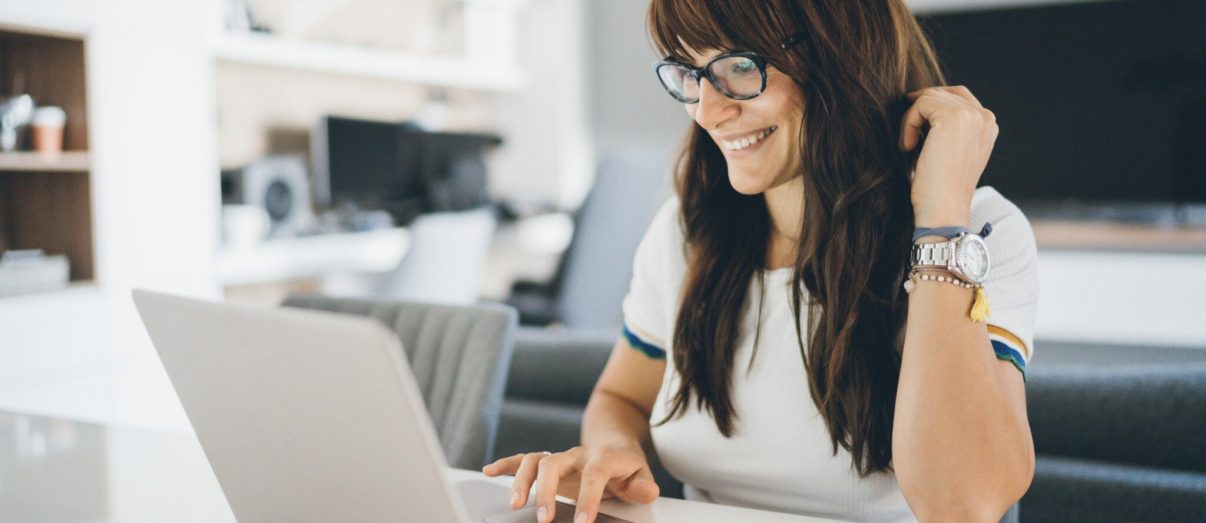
[{"x": 931, "y": 254}]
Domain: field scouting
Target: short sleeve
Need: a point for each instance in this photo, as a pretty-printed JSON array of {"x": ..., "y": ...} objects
[
  {"x": 656, "y": 275},
  {"x": 1012, "y": 286}
]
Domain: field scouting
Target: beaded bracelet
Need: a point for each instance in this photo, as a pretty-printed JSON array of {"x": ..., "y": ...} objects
[
  {"x": 943, "y": 276},
  {"x": 979, "y": 310}
]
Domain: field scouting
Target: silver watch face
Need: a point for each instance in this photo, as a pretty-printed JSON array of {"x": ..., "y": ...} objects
[{"x": 971, "y": 258}]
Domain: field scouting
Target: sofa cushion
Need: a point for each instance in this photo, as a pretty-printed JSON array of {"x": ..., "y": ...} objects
[
  {"x": 1066, "y": 489},
  {"x": 1147, "y": 415},
  {"x": 558, "y": 365}
]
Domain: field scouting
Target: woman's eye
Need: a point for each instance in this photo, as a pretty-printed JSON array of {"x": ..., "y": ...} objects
[{"x": 744, "y": 67}]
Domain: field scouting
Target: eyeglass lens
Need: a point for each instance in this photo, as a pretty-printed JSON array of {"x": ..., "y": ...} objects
[{"x": 734, "y": 76}]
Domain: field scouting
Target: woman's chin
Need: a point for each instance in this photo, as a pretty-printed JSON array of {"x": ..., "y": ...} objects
[{"x": 748, "y": 184}]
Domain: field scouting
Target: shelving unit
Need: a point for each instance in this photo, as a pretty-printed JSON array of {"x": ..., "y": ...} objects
[
  {"x": 274, "y": 51},
  {"x": 46, "y": 200},
  {"x": 474, "y": 59}
]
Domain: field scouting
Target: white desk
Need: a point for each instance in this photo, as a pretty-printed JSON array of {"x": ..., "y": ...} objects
[
  {"x": 668, "y": 509},
  {"x": 314, "y": 256},
  {"x": 55, "y": 470}
]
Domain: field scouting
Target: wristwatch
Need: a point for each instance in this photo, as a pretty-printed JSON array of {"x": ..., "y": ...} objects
[{"x": 965, "y": 255}]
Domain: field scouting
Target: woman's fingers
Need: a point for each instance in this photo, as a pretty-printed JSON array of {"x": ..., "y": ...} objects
[
  {"x": 910, "y": 125},
  {"x": 590, "y": 491},
  {"x": 638, "y": 489},
  {"x": 507, "y": 465},
  {"x": 926, "y": 104},
  {"x": 958, "y": 90},
  {"x": 524, "y": 478},
  {"x": 962, "y": 92},
  {"x": 548, "y": 474},
  {"x": 589, "y": 475}
]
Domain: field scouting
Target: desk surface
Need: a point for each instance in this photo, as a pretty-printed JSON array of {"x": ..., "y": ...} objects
[
  {"x": 55, "y": 470},
  {"x": 314, "y": 256}
]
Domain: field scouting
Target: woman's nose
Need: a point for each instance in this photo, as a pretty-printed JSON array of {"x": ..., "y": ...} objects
[{"x": 713, "y": 108}]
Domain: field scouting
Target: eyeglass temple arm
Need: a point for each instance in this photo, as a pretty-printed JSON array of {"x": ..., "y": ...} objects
[{"x": 792, "y": 40}]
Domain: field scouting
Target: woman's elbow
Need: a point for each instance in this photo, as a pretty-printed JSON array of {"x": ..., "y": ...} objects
[{"x": 985, "y": 501}]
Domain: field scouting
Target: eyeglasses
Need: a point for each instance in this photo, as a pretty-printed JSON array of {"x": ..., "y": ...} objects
[{"x": 739, "y": 75}]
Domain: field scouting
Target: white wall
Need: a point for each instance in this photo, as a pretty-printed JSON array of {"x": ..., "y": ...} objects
[
  {"x": 1122, "y": 297},
  {"x": 549, "y": 155},
  {"x": 155, "y": 182},
  {"x": 628, "y": 108}
]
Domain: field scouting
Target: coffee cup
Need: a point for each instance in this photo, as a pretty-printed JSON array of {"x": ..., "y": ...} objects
[{"x": 47, "y": 124}]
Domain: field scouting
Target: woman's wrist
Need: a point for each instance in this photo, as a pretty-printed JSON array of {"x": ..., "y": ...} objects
[
  {"x": 937, "y": 219},
  {"x": 930, "y": 239},
  {"x": 942, "y": 218}
]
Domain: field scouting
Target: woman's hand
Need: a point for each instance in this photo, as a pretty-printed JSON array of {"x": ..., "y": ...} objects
[
  {"x": 956, "y": 150},
  {"x": 588, "y": 475}
]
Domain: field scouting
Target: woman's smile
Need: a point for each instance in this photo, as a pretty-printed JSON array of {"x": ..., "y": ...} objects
[{"x": 743, "y": 144}]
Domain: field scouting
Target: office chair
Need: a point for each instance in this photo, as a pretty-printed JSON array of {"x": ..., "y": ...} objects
[{"x": 593, "y": 275}]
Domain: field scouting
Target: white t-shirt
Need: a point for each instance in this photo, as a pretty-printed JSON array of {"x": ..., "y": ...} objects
[{"x": 780, "y": 457}]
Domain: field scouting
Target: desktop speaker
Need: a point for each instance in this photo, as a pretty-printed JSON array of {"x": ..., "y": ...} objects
[{"x": 280, "y": 185}]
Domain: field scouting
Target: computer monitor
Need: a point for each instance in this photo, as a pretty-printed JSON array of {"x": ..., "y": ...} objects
[{"x": 398, "y": 167}]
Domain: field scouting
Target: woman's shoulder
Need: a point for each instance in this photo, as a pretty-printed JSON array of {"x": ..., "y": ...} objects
[
  {"x": 664, "y": 244},
  {"x": 1008, "y": 221},
  {"x": 666, "y": 227}
]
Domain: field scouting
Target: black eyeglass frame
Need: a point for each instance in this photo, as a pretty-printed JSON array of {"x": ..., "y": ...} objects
[
  {"x": 696, "y": 73},
  {"x": 706, "y": 72}
]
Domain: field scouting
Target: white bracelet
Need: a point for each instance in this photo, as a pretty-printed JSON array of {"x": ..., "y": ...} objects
[{"x": 945, "y": 276}]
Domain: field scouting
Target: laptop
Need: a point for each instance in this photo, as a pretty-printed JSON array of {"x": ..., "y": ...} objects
[{"x": 313, "y": 416}]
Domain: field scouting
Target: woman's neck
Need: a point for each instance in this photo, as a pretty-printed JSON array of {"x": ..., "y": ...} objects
[{"x": 785, "y": 203}]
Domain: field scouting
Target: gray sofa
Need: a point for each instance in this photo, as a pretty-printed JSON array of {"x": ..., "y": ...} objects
[{"x": 1119, "y": 431}]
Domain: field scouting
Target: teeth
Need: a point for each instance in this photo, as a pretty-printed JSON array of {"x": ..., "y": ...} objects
[{"x": 738, "y": 145}]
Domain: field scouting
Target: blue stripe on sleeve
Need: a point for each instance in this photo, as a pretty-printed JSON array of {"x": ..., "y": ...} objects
[
  {"x": 1005, "y": 352},
  {"x": 649, "y": 349}
]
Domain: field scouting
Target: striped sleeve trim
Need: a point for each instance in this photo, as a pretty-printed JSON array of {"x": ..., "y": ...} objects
[
  {"x": 649, "y": 349},
  {"x": 1007, "y": 352}
]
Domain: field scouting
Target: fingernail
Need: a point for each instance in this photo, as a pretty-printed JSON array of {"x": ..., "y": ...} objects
[
  {"x": 514, "y": 498},
  {"x": 580, "y": 518},
  {"x": 542, "y": 514}
]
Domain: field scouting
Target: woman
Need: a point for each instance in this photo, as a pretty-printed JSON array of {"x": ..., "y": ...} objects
[{"x": 806, "y": 181}]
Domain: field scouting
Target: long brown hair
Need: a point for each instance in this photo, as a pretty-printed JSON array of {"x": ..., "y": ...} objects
[{"x": 854, "y": 64}]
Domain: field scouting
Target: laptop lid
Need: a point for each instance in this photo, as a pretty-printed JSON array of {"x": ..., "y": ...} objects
[{"x": 303, "y": 416}]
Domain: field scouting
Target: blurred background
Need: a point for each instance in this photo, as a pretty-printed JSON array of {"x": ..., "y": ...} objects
[{"x": 512, "y": 151}]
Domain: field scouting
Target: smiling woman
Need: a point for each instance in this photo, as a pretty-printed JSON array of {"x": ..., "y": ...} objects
[{"x": 770, "y": 352}]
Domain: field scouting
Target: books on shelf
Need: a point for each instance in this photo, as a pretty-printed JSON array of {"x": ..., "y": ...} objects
[{"x": 31, "y": 270}]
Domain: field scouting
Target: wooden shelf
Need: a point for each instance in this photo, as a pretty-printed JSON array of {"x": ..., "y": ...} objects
[
  {"x": 1060, "y": 234},
  {"x": 67, "y": 161},
  {"x": 349, "y": 60}
]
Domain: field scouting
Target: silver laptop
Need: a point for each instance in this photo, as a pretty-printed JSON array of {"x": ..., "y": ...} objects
[{"x": 311, "y": 416}]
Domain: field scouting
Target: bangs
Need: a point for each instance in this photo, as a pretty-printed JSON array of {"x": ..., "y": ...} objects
[{"x": 724, "y": 25}]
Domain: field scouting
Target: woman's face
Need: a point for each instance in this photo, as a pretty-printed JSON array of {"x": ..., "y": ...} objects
[{"x": 771, "y": 121}]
